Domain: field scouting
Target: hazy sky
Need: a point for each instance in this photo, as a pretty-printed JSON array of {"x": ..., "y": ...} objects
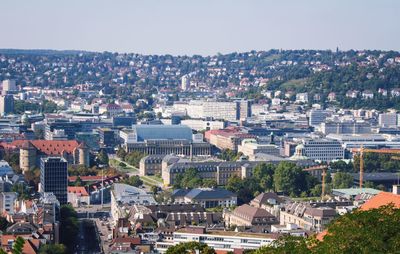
[{"x": 199, "y": 27}]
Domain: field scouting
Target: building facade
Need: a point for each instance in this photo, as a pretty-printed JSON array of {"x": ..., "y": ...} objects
[{"x": 54, "y": 177}]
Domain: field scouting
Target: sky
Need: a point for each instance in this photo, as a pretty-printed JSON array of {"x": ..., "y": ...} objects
[{"x": 205, "y": 27}]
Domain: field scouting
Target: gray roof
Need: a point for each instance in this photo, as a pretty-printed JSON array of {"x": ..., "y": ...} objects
[
  {"x": 208, "y": 193},
  {"x": 149, "y": 132}
]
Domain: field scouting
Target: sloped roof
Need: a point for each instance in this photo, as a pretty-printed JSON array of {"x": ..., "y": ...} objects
[
  {"x": 208, "y": 193},
  {"x": 265, "y": 196},
  {"x": 78, "y": 190},
  {"x": 251, "y": 212},
  {"x": 48, "y": 147},
  {"x": 381, "y": 199}
]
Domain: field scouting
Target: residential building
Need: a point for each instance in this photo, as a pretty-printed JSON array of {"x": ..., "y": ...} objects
[
  {"x": 249, "y": 216},
  {"x": 77, "y": 196},
  {"x": 54, "y": 177},
  {"x": 306, "y": 216},
  {"x": 7, "y": 201}
]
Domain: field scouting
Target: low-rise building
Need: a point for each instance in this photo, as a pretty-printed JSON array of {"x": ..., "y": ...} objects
[
  {"x": 222, "y": 241},
  {"x": 151, "y": 165},
  {"x": 249, "y": 216},
  {"x": 206, "y": 197}
]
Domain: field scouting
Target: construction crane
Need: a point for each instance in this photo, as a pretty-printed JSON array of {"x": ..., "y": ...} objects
[
  {"x": 322, "y": 168},
  {"x": 363, "y": 150}
]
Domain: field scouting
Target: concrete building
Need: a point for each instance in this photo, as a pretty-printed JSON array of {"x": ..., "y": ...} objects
[
  {"x": 123, "y": 196},
  {"x": 387, "y": 119},
  {"x": 206, "y": 197},
  {"x": 6, "y": 104},
  {"x": 250, "y": 147},
  {"x": 218, "y": 171},
  {"x": 151, "y": 165},
  {"x": 54, "y": 177},
  {"x": 7, "y": 200},
  {"x": 77, "y": 196},
  {"x": 228, "y": 138},
  {"x": 199, "y": 125},
  {"x": 317, "y": 117},
  {"x": 222, "y": 241},
  {"x": 307, "y": 217},
  {"x": 250, "y": 216},
  {"x": 30, "y": 152},
  {"x": 185, "y": 82},
  {"x": 323, "y": 149},
  {"x": 164, "y": 139},
  {"x": 9, "y": 85},
  {"x": 345, "y": 128}
]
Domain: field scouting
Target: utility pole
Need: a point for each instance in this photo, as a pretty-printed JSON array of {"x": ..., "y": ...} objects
[{"x": 102, "y": 186}]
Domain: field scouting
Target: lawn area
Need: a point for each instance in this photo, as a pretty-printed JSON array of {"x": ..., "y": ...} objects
[{"x": 294, "y": 83}]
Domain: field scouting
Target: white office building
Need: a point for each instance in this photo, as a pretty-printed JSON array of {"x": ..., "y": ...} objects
[
  {"x": 323, "y": 149},
  {"x": 387, "y": 119},
  {"x": 227, "y": 241}
]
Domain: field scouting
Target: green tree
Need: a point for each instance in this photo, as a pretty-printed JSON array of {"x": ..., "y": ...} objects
[
  {"x": 103, "y": 157},
  {"x": 53, "y": 249},
  {"x": 121, "y": 153},
  {"x": 209, "y": 183},
  {"x": 154, "y": 189},
  {"x": 264, "y": 174},
  {"x": 69, "y": 225},
  {"x": 22, "y": 190},
  {"x": 372, "y": 231},
  {"x": 190, "y": 248},
  {"x": 133, "y": 158},
  {"x": 342, "y": 180},
  {"x": 133, "y": 181},
  {"x": 291, "y": 179}
]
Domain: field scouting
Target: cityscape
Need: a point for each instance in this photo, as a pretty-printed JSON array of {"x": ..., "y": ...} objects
[{"x": 250, "y": 151}]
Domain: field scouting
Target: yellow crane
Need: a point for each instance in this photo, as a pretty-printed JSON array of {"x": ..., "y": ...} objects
[{"x": 363, "y": 150}]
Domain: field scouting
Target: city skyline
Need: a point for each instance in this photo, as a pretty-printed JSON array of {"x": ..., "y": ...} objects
[{"x": 205, "y": 28}]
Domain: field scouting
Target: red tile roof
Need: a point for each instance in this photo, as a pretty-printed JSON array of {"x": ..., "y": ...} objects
[
  {"x": 48, "y": 147},
  {"x": 381, "y": 199},
  {"x": 78, "y": 190}
]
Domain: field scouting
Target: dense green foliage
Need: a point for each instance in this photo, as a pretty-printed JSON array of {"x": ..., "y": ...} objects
[
  {"x": 133, "y": 181},
  {"x": 46, "y": 106},
  {"x": 285, "y": 177},
  {"x": 69, "y": 227},
  {"x": 229, "y": 155},
  {"x": 189, "y": 248},
  {"x": 191, "y": 179},
  {"x": 342, "y": 180},
  {"x": 53, "y": 249},
  {"x": 102, "y": 157},
  {"x": 372, "y": 231},
  {"x": 133, "y": 158}
]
